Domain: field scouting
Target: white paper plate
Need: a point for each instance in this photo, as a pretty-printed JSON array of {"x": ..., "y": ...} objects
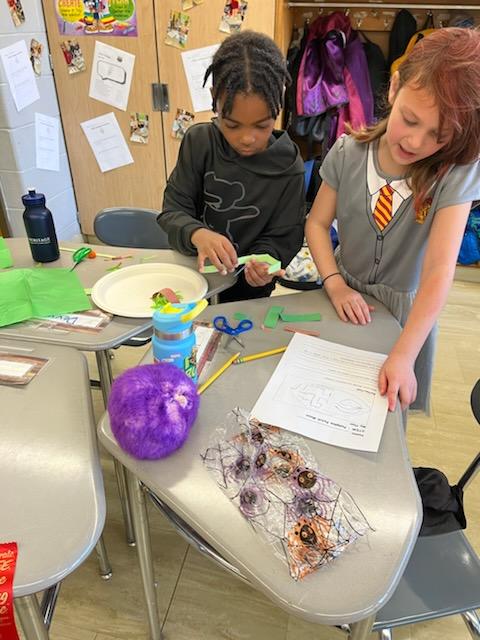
[{"x": 128, "y": 291}]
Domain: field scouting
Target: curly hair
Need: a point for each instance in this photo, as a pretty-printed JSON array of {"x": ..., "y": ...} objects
[{"x": 248, "y": 63}]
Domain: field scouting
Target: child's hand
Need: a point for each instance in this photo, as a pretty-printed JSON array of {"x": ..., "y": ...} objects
[
  {"x": 349, "y": 304},
  {"x": 256, "y": 273},
  {"x": 397, "y": 379},
  {"x": 217, "y": 248}
]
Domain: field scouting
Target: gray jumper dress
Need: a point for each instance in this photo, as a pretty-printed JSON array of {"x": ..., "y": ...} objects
[{"x": 387, "y": 264}]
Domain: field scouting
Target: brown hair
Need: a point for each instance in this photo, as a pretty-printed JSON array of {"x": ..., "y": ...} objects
[{"x": 446, "y": 63}]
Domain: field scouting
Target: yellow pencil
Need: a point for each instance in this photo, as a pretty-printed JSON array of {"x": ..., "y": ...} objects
[
  {"x": 262, "y": 354},
  {"x": 217, "y": 374}
]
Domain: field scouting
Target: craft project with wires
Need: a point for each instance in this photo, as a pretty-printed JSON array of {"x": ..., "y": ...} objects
[{"x": 272, "y": 477}]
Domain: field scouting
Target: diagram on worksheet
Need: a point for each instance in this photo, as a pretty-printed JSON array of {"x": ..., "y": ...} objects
[
  {"x": 325, "y": 399},
  {"x": 328, "y": 392}
]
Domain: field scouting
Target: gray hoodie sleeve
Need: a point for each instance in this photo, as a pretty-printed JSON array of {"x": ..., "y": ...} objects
[{"x": 180, "y": 215}]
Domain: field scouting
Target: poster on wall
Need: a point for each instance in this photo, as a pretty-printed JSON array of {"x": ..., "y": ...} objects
[{"x": 103, "y": 17}]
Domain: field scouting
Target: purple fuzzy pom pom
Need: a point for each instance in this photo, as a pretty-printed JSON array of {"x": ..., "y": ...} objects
[{"x": 152, "y": 408}]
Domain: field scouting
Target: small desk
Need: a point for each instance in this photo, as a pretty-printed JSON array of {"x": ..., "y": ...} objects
[
  {"x": 53, "y": 502},
  {"x": 119, "y": 329},
  {"x": 356, "y": 584},
  {"x": 116, "y": 332}
]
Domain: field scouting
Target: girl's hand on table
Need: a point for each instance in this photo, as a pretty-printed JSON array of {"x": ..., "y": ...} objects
[
  {"x": 349, "y": 304},
  {"x": 397, "y": 380}
]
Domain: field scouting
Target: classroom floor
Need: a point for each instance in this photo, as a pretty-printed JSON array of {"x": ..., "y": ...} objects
[{"x": 197, "y": 600}]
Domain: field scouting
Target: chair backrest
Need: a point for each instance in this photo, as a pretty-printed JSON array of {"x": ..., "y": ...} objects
[
  {"x": 475, "y": 401},
  {"x": 130, "y": 227}
]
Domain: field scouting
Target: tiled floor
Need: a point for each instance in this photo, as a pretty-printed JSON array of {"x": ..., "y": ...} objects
[{"x": 199, "y": 601}]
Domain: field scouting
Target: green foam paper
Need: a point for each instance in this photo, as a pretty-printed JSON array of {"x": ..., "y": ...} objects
[
  {"x": 5, "y": 255},
  {"x": 305, "y": 317},
  {"x": 29, "y": 293},
  {"x": 238, "y": 315},
  {"x": 272, "y": 317},
  {"x": 259, "y": 257}
]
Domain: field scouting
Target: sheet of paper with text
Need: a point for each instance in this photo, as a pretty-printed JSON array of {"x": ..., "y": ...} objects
[{"x": 327, "y": 392}]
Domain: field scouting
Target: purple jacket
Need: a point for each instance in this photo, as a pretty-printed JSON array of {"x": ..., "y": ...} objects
[{"x": 334, "y": 73}]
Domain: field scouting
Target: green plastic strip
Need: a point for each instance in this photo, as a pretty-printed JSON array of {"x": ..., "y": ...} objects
[
  {"x": 5, "y": 255},
  {"x": 305, "y": 317},
  {"x": 272, "y": 317},
  {"x": 238, "y": 315},
  {"x": 28, "y": 293},
  {"x": 259, "y": 257}
]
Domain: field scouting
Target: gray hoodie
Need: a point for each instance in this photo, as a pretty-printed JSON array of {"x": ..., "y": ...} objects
[{"x": 258, "y": 202}]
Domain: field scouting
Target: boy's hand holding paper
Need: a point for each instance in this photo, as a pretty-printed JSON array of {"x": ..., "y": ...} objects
[{"x": 217, "y": 248}]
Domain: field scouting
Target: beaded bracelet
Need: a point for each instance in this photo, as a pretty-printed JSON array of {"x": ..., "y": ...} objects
[{"x": 335, "y": 273}]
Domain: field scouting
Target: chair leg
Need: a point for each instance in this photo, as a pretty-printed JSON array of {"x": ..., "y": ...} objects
[
  {"x": 31, "y": 619},
  {"x": 103, "y": 561},
  {"x": 361, "y": 630},
  {"x": 138, "y": 507},
  {"x": 472, "y": 621},
  {"x": 49, "y": 600},
  {"x": 385, "y": 634}
]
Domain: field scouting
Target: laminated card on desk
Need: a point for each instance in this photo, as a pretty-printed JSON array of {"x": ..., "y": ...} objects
[{"x": 327, "y": 392}]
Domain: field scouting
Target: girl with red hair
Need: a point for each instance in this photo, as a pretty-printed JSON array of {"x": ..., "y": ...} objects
[{"x": 401, "y": 191}]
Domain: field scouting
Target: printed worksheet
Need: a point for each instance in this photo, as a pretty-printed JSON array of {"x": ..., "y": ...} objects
[{"x": 327, "y": 392}]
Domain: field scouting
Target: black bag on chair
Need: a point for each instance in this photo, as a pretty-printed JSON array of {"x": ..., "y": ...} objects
[{"x": 442, "y": 504}]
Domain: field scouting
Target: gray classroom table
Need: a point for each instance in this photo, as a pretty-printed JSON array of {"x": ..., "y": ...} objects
[
  {"x": 119, "y": 328},
  {"x": 53, "y": 502},
  {"x": 355, "y": 585}
]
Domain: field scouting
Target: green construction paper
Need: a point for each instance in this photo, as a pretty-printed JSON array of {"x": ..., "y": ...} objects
[
  {"x": 238, "y": 315},
  {"x": 305, "y": 317},
  {"x": 259, "y": 257},
  {"x": 5, "y": 255},
  {"x": 272, "y": 317},
  {"x": 28, "y": 293}
]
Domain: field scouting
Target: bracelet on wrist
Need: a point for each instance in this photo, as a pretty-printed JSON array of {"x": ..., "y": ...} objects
[{"x": 330, "y": 275}]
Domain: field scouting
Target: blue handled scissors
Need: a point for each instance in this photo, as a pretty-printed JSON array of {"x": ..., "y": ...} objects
[{"x": 221, "y": 324}]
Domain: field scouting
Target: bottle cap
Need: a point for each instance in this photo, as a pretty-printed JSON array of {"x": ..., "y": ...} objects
[{"x": 32, "y": 198}]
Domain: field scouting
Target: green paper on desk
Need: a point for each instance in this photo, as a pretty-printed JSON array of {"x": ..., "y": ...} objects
[
  {"x": 28, "y": 293},
  {"x": 272, "y": 317},
  {"x": 259, "y": 257},
  {"x": 5, "y": 255},
  {"x": 300, "y": 317}
]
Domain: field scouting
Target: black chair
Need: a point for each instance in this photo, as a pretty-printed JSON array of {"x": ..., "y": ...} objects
[
  {"x": 130, "y": 227},
  {"x": 442, "y": 577}
]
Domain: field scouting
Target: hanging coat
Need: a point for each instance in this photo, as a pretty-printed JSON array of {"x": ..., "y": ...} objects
[{"x": 320, "y": 83}]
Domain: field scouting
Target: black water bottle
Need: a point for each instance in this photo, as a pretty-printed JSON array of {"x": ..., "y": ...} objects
[{"x": 38, "y": 222}]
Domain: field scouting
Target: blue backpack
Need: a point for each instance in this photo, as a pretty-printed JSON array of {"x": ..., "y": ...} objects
[{"x": 470, "y": 248}]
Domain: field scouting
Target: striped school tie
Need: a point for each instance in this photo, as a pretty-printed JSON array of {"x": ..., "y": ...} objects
[{"x": 382, "y": 213}]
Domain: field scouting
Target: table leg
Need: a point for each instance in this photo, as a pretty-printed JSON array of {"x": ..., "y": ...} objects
[
  {"x": 362, "y": 629},
  {"x": 103, "y": 561},
  {"x": 124, "y": 501},
  {"x": 105, "y": 375},
  {"x": 144, "y": 551},
  {"x": 49, "y": 600},
  {"x": 31, "y": 619}
]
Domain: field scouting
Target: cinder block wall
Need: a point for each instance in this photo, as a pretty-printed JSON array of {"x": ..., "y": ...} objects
[{"x": 17, "y": 135}]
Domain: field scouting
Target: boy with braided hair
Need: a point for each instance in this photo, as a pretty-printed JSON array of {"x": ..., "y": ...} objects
[{"x": 237, "y": 187}]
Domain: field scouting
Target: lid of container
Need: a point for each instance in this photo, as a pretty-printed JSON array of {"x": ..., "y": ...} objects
[{"x": 32, "y": 198}]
